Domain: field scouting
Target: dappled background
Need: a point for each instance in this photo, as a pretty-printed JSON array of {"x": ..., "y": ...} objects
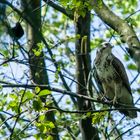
[{"x": 42, "y": 64}]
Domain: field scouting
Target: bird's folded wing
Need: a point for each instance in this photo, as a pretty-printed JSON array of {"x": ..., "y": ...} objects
[{"x": 120, "y": 70}]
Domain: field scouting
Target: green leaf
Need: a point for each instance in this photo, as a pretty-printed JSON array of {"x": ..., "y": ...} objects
[
  {"x": 28, "y": 96},
  {"x": 88, "y": 114},
  {"x": 40, "y": 46},
  {"x": 126, "y": 57},
  {"x": 13, "y": 96},
  {"x": 68, "y": 101},
  {"x": 37, "y": 53},
  {"x": 41, "y": 127},
  {"x": 44, "y": 92},
  {"x": 13, "y": 105},
  {"x": 49, "y": 125},
  {"x": 5, "y": 65},
  {"x": 6, "y": 53},
  {"x": 21, "y": 92},
  {"x": 1, "y": 88},
  {"x": 37, "y": 105},
  {"x": 98, "y": 117},
  {"x": 42, "y": 118},
  {"x": 96, "y": 43},
  {"x": 37, "y": 89},
  {"x": 49, "y": 137},
  {"x": 56, "y": 77},
  {"x": 132, "y": 66}
]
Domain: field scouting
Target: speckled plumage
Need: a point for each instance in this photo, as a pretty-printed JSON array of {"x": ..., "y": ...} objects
[{"x": 112, "y": 75}]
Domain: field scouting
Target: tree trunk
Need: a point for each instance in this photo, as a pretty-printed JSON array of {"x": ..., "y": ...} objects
[
  {"x": 37, "y": 63},
  {"x": 83, "y": 67}
]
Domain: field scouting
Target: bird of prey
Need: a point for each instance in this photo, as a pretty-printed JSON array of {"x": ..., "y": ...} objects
[{"x": 112, "y": 79}]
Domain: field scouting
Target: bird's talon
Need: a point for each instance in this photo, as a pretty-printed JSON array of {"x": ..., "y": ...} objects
[
  {"x": 111, "y": 101},
  {"x": 114, "y": 101},
  {"x": 102, "y": 98}
]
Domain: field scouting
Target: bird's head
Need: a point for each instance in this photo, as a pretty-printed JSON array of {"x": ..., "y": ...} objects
[
  {"x": 103, "y": 52},
  {"x": 105, "y": 49}
]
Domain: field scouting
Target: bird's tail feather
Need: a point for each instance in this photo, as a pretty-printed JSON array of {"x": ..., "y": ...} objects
[{"x": 129, "y": 113}]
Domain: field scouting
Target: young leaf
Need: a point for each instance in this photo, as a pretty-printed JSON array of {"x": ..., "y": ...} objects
[
  {"x": 98, "y": 117},
  {"x": 49, "y": 137},
  {"x": 132, "y": 67},
  {"x": 44, "y": 92},
  {"x": 37, "y": 105},
  {"x": 37, "y": 89}
]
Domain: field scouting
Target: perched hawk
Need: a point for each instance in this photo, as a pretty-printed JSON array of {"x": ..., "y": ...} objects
[{"x": 112, "y": 79}]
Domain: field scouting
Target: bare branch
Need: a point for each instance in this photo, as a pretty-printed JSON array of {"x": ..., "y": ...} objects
[
  {"x": 92, "y": 111},
  {"x": 4, "y": 122},
  {"x": 127, "y": 131}
]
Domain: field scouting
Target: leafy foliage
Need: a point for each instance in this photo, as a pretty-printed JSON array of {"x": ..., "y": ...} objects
[{"x": 24, "y": 113}]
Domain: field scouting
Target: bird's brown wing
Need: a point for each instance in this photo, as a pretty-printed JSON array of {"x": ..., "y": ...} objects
[
  {"x": 120, "y": 70},
  {"x": 117, "y": 64}
]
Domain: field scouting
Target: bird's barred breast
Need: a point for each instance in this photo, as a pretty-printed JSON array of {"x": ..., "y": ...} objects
[{"x": 106, "y": 72}]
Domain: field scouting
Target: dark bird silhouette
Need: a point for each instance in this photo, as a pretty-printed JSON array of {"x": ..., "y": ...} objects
[{"x": 18, "y": 31}]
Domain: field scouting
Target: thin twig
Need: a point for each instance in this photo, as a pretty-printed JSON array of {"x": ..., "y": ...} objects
[
  {"x": 19, "y": 113},
  {"x": 60, "y": 9},
  {"x": 12, "y": 116},
  {"x": 127, "y": 131},
  {"x": 25, "y": 127}
]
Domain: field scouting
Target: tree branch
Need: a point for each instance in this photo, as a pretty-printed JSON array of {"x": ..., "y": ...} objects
[
  {"x": 92, "y": 111},
  {"x": 59, "y": 8},
  {"x": 4, "y": 122},
  {"x": 72, "y": 94},
  {"x": 52, "y": 89},
  {"x": 125, "y": 31}
]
